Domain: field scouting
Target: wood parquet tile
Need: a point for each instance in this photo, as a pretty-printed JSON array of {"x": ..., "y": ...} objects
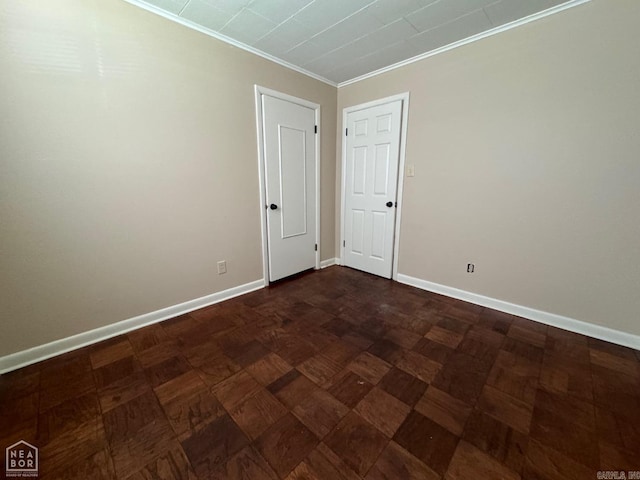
[
  {"x": 209, "y": 448},
  {"x": 442, "y": 408},
  {"x": 418, "y": 365},
  {"x": 469, "y": 462},
  {"x": 369, "y": 367},
  {"x": 247, "y": 463},
  {"x": 349, "y": 388},
  {"x": 285, "y": 444},
  {"x": 188, "y": 403},
  {"x": 269, "y": 368},
  {"x": 332, "y": 375},
  {"x": 64, "y": 450},
  {"x": 171, "y": 464},
  {"x": 111, "y": 353},
  {"x": 98, "y": 466},
  {"x": 509, "y": 410},
  {"x": 502, "y": 442},
  {"x": 427, "y": 440},
  {"x": 320, "y": 412},
  {"x": 357, "y": 442},
  {"x": 396, "y": 462},
  {"x": 67, "y": 416},
  {"x": 383, "y": 411},
  {"x": 257, "y": 413}
]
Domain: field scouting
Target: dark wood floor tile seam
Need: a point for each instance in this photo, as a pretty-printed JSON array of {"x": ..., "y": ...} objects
[
  {"x": 498, "y": 348},
  {"x": 592, "y": 387},
  {"x": 630, "y": 378},
  {"x": 336, "y": 432},
  {"x": 377, "y": 458},
  {"x": 591, "y": 376},
  {"x": 40, "y": 402},
  {"x": 109, "y": 449},
  {"x": 93, "y": 389},
  {"x": 353, "y": 410}
]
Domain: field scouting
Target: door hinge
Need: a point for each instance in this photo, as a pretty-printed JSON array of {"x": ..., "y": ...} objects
[
  {"x": 315, "y": 129},
  {"x": 346, "y": 132},
  {"x": 316, "y": 247},
  {"x": 344, "y": 243}
]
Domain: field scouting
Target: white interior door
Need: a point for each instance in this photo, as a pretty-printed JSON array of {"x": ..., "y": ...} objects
[
  {"x": 371, "y": 182},
  {"x": 290, "y": 186}
]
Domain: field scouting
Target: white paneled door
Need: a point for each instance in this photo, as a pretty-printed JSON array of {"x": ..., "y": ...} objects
[
  {"x": 370, "y": 182},
  {"x": 290, "y": 186}
]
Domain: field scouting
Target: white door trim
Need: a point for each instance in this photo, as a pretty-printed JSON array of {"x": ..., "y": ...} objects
[
  {"x": 404, "y": 97},
  {"x": 259, "y": 91}
]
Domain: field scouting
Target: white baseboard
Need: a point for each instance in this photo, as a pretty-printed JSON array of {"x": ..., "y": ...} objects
[
  {"x": 578, "y": 326},
  {"x": 17, "y": 360},
  {"x": 329, "y": 262}
]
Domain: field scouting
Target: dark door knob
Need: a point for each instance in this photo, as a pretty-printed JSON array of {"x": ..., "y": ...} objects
[
  {"x": 273, "y": 206},
  {"x": 389, "y": 204}
]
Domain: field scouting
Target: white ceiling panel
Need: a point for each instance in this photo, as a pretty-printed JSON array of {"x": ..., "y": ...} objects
[
  {"x": 272, "y": 44},
  {"x": 171, "y": 6},
  {"x": 380, "y": 40},
  {"x": 346, "y": 72},
  {"x": 462, "y": 27},
  {"x": 442, "y": 12},
  {"x": 328, "y": 62},
  {"x": 303, "y": 53},
  {"x": 205, "y": 14},
  {"x": 323, "y": 14},
  {"x": 284, "y": 37},
  {"x": 388, "y": 11},
  {"x": 388, "y": 55},
  {"x": 247, "y": 26},
  {"x": 229, "y": 6},
  {"x": 357, "y": 25},
  {"x": 507, "y": 11},
  {"x": 388, "y": 35},
  {"x": 278, "y": 10},
  {"x": 339, "y": 40}
]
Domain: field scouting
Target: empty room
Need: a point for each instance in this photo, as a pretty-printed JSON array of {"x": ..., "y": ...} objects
[{"x": 320, "y": 239}]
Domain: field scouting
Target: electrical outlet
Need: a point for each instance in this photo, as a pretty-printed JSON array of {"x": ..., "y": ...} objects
[
  {"x": 222, "y": 267},
  {"x": 411, "y": 170},
  {"x": 470, "y": 267}
]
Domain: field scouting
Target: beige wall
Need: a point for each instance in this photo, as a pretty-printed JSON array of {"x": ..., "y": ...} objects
[
  {"x": 128, "y": 165},
  {"x": 526, "y": 149}
]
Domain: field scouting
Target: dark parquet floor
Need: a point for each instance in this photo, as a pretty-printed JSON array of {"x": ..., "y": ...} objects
[{"x": 333, "y": 375}]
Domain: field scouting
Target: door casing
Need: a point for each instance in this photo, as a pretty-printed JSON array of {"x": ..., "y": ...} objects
[
  {"x": 404, "y": 97},
  {"x": 259, "y": 91}
]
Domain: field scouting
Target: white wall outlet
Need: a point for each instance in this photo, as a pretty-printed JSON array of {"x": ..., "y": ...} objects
[
  {"x": 411, "y": 170},
  {"x": 222, "y": 267}
]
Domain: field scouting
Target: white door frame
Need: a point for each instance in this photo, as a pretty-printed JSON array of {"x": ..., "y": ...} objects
[
  {"x": 404, "y": 97},
  {"x": 259, "y": 91}
]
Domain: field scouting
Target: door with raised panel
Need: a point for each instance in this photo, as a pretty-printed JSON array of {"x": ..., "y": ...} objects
[
  {"x": 290, "y": 179},
  {"x": 371, "y": 180}
]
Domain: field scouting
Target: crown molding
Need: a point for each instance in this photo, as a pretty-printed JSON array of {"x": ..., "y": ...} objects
[
  {"x": 223, "y": 38},
  {"x": 465, "y": 41}
]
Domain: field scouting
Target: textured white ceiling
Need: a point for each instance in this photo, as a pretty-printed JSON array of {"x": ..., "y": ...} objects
[{"x": 340, "y": 40}]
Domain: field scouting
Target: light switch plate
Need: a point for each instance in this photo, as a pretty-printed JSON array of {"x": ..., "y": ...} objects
[
  {"x": 222, "y": 267},
  {"x": 411, "y": 170}
]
